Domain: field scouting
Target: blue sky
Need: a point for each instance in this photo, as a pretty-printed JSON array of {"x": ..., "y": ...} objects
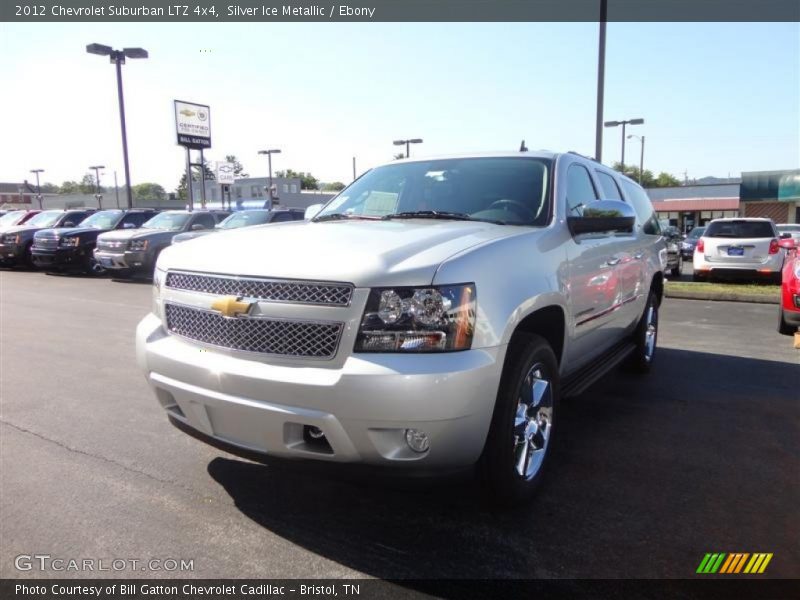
[{"x": 717, "y": 98}]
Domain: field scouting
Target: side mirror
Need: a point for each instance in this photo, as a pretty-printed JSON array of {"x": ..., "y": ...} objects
[
  {"x": 68, "y": 224},
  {"x": 603, "y": 216},
  {"x": 312, "y": 211},
  {"x": 198, "y": 227},
  {"x": 128, "y": 226},
  {"x": 787, "y": 242}
]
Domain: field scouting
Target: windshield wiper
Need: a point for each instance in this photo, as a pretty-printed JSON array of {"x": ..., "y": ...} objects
[
  {"x": 437, "y": 214},
  {"x": 342, "y": 216}
]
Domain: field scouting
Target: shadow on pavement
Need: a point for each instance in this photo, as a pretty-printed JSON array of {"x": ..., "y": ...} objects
[{"x": 648, "y": 475}]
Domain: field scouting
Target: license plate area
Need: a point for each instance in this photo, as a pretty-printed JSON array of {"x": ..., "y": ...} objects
[
  {"x": 106, "y": 262},
  {"x": 735, "y": 251}
]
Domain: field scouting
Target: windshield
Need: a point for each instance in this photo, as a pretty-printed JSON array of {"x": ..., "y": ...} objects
[
  {"x": 245, "y": 219},
  {"x": 510, "y": 191},
  {"x": 740, "y": 229},
  {"x": 11, "y": 218},
  {"x": 45, "y": 219},
  {"x": 167, "y": 221},
  {"x": 105, "y": 219},
  {"x": 696, "y": 233}
]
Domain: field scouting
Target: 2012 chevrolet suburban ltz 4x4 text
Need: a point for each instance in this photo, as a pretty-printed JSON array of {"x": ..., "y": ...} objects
[{"x": 430, "y": 316}]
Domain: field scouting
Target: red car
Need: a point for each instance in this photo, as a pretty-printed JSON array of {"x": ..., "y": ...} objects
[{"x": 790, "y": 289}]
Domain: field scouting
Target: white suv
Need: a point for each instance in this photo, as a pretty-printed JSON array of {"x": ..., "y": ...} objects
[
  {"x": 430, "y": 316},
  {"x": 739, "y": 248}
]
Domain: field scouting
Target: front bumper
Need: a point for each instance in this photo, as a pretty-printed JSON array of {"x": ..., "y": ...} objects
[
  {"x": 11, "y": 254},
  {"x": 61, "y": 257},
  {"x": 362, "y": 407}
]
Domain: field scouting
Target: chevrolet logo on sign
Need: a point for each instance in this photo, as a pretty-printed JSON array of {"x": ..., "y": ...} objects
[
  {"x": 187, "y": 113},
  {"x": 231, "y": 306}
]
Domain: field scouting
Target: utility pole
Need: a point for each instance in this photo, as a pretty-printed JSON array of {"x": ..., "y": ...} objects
[
  {"x": 97, "y": 193},
  {"x": 354, "y": 168},
  {"x": 601, "y": 77},
  {"x": 38, "y": 189}
]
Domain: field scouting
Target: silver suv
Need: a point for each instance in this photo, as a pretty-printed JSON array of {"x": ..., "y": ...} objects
[{"x": 430, "y": 316}]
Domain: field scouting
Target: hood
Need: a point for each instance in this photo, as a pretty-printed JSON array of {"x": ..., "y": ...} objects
[
  {"x": 128, "y": 234},
  {"x": 21, "y": 229},
  {"x": 190, "y": 235},
  {"x": 62, "y": 231},
  {"x": 364, "y": 253}
]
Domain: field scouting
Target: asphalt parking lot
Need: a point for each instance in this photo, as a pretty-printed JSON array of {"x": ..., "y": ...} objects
[{"x": 649, "y": 474}]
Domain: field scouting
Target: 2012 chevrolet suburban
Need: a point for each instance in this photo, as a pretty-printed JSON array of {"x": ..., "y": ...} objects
[{"x": 430, "y": 316}]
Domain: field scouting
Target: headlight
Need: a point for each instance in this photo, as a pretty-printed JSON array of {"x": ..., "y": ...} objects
[
  {"x": 137, "y": 245},
  {"x": 69, "y": 242},
  {"x": 423, "y": 319},
  {"x": 11, "y": 240}
]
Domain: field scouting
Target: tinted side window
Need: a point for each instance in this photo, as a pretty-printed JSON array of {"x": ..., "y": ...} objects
[
  {"x": 644, "y": 209},
  {"x": 580, "y": 190},
  {"x": 205, "y": 219},
  {"x": 611, "y": 190},
  {"x": 282, "y": 216},
  {"x": 136, "y": 218},
  {"x": 298, "y": 215}
]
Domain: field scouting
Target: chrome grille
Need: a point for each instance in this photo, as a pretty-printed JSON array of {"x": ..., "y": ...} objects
[
  {"x": 111, "y": 246},
  {"x": 268, "y": 290},
  {"x": 254, "y": 334},
  {"x": 45, "y": 242}
]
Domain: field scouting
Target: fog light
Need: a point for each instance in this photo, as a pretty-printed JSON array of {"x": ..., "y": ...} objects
[
  {"x": 315, "y": 433},
  {"x": 417, "y": 440}
]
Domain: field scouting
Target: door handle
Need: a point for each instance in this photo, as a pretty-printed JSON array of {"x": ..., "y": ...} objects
[{"x": 612, "y": 262}]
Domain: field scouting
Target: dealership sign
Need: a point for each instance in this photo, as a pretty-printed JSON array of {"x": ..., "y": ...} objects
[
  {"x": 193, "y": 124},
  {"x": 225, "y": 175}
]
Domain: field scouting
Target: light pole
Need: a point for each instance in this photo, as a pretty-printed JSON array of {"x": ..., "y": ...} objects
[
  {"x": 97, "y": 193},
  {"x": 117, "y": 57},
  {"x": 624, "y": 123},
  {"x": 407, "y": 144},
  {"x": 38, "y": 189},
  {"x": 641, "y": 156},
  {"x": 269, "y": 154},
  {"x": 601, "y": 82}
]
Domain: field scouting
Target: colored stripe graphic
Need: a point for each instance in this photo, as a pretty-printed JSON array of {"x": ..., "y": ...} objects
[{"x": 720, "y": 562}]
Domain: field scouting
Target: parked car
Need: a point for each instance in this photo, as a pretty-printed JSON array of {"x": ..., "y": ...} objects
[
  {"x": 789, "y": 311},
  {"x": 674, "y": 258},
  {"x": 690, "y": 241},
  {"x": 430, "y": 316},
  {"x": 245, "y": 218},
  {"x": 793, "y": 229},
  {"x": 71, "y": 248},
  {"x": 129, "y": 252},
  {"x": 743, "y": 248},
  {"x": 16, "y": 217},
  {"x": 16, "y": 242}
]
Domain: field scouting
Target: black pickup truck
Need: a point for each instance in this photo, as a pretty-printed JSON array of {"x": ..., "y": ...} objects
[{"x": 16, "y": 242}]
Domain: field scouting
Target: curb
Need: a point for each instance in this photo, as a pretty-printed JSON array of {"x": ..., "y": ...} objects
[{"x": 721, "y": 296}]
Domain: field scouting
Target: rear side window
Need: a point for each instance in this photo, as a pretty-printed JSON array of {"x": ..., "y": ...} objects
[
  {"x": 611, "y": 190},
  {"x": 643, "y": 207},
  {"x": 580, "y": 190},
  {"x": 740, "y": 229},
  {"x": 281, "y": 216},
  {"x": 207, "y": 220}
]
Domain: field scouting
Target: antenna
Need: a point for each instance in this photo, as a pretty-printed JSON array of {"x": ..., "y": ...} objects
[{"x": 523, "y": 147}]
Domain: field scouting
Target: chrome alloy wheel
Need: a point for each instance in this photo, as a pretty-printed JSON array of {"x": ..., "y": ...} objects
[
  {"x": 650, "y": 332},
  {"x": 533, "y": 422}
]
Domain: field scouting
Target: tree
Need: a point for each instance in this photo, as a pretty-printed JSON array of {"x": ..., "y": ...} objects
[
  {"x": 69, "y": 187},
  {"x": 88, "y": 185},
  {"x": 307, "y": 180},
  {"x": 336, "y": 186},
  {"x": 182, "y": 191},
  {"x": 148, "y": 192},
  {"x": 648, "y": 180},
  {"x": 238, "y": 169}
]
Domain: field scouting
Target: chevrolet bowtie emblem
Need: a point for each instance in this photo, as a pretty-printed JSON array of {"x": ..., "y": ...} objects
[{"x": 231, "y": 306}]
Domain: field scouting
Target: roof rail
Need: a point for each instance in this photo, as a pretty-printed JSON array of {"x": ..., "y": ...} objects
[{"x": 593, "y": 159}]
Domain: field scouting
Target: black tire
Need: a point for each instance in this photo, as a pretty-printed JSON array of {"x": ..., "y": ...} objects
[
  {"x": 641, "y": 359},
  {"x": 677, "y": 270},
  {"x": 530, "y": 360},
  {"x": 783, "y": 327}
]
